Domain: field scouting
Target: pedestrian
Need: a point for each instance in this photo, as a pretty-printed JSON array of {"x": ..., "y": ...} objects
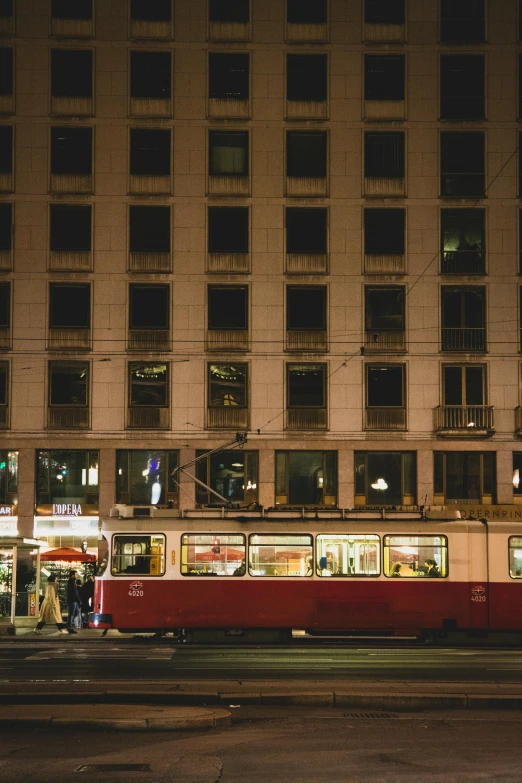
[
  {"x": 50, "y": 611},
  {"x": 78, "y": 618},
  {"x": 73, "y": 601},
  {"x": 87, "y": 596}
]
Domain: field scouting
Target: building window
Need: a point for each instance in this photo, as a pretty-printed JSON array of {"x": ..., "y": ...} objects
[
  {"x": 6, "y": 153},
  {"x": 384, "y": 155},
  {"x": 67, "y": 477},
  {"x": 415, "y": 556},
  {"x": 306, "y": 230},
  {"x": 306, "y": 154},
  {"x": 228, "y": 76},
  {"x": 463, "y": 476},
  {"x": 463, "y": 239},
  {"x": 69, "y": 384},
  {"x": 517, "y": 478},
  {"x": 149, "y": 229},
  {"x": 384, "y": 307},
  {"x": 384, "y": 77},
  {"x": 384, "y": 231},
  {"x": 150, "y": 75},
  {"x": 149, "y": 306},
  {"x": 71, "y": 150},
  {"x": 9, "y": 477},
  {"x": 6, "y": 227},
  {"x": 232, "y": 474},
  {"x": 69, "y": 306},
  {"x": 462, "y": 164},
  {"x": 150, "y": 152},
  {"x": 70, "y": 227},
  {"x": 306, "y": 307},
  {"x": 464, "y": 406},
  {"x": 144, "y": 477},
  {"x": 306, "y": 77},
  {"x": 385, "y": 397},
  {"x": 5, "y": 306},
  {"x": 228, "y": 229},
  {"x": 463, "y": 318},
  {"x": 6, "y": 8},
  {"x": 464, "y": 384},
  {"x": 306, "y": 11},
  {"x": 218, "y": 554},
  {"x": 227, "y": 307},
  {"x": 71, "y": 73},
  {"x": 228, "y": 153},
  {"x": 385, "y": 478},
  {"x": 6, "y": 70},
  {"x": 65, "y": 9},
  {"x": 462, "y": 87},
  {"x": 384, "y": 11},
  {"x": 151, "y": 10},
  {"x": 306, "y": 478},
  {"x": 148, "y": 385},
  {"x": 228, "y": 385},
  {"x": 229, "y": 11},
  {"x": 4, "y": 408},
  {"x": 462, "y": 21},
  {"x": 306, "y": 385}
]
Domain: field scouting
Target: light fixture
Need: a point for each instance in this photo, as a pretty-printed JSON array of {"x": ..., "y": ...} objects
[
  {"x": 516, "y": 478},
  {"x": 471, "y": 424},
  {"x": 380, "y": 484}
]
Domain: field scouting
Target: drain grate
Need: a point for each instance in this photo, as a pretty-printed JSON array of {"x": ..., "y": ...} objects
[
  {"x": 113, "y": 768},
  {"x": 371, "y": 715}
]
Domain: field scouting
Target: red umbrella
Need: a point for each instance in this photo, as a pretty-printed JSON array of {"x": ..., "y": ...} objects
[
  {"x": 68, "y": 555},
  {"x": 231, "y": 554}
]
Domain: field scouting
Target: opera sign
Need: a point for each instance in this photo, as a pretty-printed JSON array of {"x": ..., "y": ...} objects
[{"x": 67, "y": 510}]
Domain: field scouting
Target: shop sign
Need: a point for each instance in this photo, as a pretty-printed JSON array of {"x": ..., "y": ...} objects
[
  {"x": 8, "y": 511},
  {"x": 509, "y": 513},
  {"x": 79, "y": 526},
  {"x": 67, "y": 510},
  {"x": 9, "y": 527}
]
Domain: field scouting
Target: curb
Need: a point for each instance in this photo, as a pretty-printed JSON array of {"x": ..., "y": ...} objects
[{"x": 212, "y": 720}]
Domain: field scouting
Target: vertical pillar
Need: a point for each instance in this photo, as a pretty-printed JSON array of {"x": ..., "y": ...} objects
[
  {"x": 266, "y": 477},
  {"x": 107, "y": 481},
  {"x": 346, "y": 491},
  {"x": 26, "y": 492},
  {"x": 504, "y": 477},
  {"x": 424, "y": 477},
  {"x": 187, "y": 490}
]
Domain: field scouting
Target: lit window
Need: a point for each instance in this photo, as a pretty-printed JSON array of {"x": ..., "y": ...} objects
[
  {"x": 219, "y": 554},
  {"x": 348, "y": 555},
  {"x": 415, "y": 556},
  {"x": 280, "y": 555}
]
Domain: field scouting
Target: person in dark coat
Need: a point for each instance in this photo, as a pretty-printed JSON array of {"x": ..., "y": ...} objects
[
  {"x": 87, "y": 596},
  {"x": 73, "y": 601}
]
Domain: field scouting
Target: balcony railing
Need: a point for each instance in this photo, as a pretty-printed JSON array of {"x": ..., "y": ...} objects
[
  {"x": 72, "y": 107},
  {"x": 68, "y": 418},
  {"x": 6, "y": 25},
  {"x": 470, "y": 420},
  {"x": 227, "y": 340},
  {"x": 72, "y": 28},
  {"x": 306, "y": 110},
  {"x": 380, "y": 187},
  {"x": 71, "y": 183},
  {"x": 228, "y": 185},
  {"x": 7, "y": 104},
  {"x": 315, "y": 341},
  {"x": 463, "y": 262},
  {"x": 306, "y": 186},
  {"x": 153, "y": 183},
  {"x": 463, "y": 339},
  {"x": 383, "y": 264},
  {"x": 148, "y": 418},
  {"x": 70, "y": 261},
  {"x": 233, "y": 263},
  {"x": 149, "y": 340},
  {"x": 6, "y": 181},
  {"x": 227, "y": 417},
  {"x": 5, "y": 338},
  {"x": 306, "y": 419},
  {"x": 384, "y": 110},
  {"x": 382, "y": 342},
  {"x": 385, "y": 419},
  {"x": 149, "y": 262},
  {"x": 306, "y": 264},
  {"x": 6, "y": 260},
  {"x": 4, "y": 417},
  {"x": 463, "y": 107},
  {"x": 69, "y": 339},
  {"x": 151, "y": 107},
  {"x": 140, "y": 28},
  {"x": 233, "y": 108}
]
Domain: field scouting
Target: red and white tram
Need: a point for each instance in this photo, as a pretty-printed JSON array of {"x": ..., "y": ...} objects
[{"x": 360, "y": 575}]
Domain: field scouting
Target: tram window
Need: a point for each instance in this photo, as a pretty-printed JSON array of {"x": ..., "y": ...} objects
[
  {"x": 415, "y": 556},
  {"x": 348, "y": 555},
  {"x": 219, "y": 554},
  {"x": 138, "y": 554},
  {"x": 285, "y": 555},
  {"x": 515, "y": 557}
]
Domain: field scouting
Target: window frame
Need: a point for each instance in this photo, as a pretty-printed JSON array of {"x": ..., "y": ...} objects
[
  {"x": 216, "y": 536},
  {"x": 51, "y": 364},
  {"x": 212, "y": 135},
  {"x": 136, "y": 286},
  {"x": 214, "y": 363},
  {"x": 217, "y": 286},
  {"x": 370, "y": 311},
  {"x": 292, "y": 366},
  {"x": 318, "y": 133},
  {"x": 510, "y": 548},
  {"x": 142, "y": 534},
  {"x": 80, "y": 50},
  {"x": 133, "y": 78},
  {"x": 443, "y": 547},
  {"x": 292, "y": 81},
  {"x": 81, "y": 131},
  {"x": 166, "y": 132},
  {"x": 373, "y": 539},
  {"x": 170, "y": 456},
  {"x": 386, "y": 365},
  {"x": 80, "y": 286},
  {"x": 281, "y": 535},
  {"x": 167, "y": 384}
]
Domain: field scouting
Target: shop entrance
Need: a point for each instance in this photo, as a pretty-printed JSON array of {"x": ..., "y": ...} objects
[{"x": 19, "y": 580}]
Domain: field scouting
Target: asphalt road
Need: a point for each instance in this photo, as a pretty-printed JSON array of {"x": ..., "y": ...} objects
[{"x": 108, "y": 659}]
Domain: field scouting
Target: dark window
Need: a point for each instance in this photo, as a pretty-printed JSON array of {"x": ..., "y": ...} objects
[
  {"x": 6, "y": 226},
  {"x": 71, "y": 150},
  {"x": 6, "y": 70},
  {"x": 463, "y": 384},
  {"x": 306, "y": 385},
  {"x": 305, "y": 307},
  {"x": 71, "y": 73},
  {"x": 227, "y": 307},
  {"x": 148, "y": 306},
  {"x": 463, "y": 241},
  {"x": 463, "y": 318},
  {"x": 306, "y": 154},
  {"x": 306, "y": 11},
  {"x": 148, "y": 385},
  {"x": 306, "y": 230},
  {"x": 69, "y": 383},
  {"x": 149, "y": 229},
  {"x": 306, "y": 77},
  {"x": 228, "y": 76},
  {"x": 4, "y": 400},
  {"x": 145, "y": 476},
  {"x": 517, "y": 490},
  {"x": 384, "y": 231},
  {"x": 228, "y": 229},
  {"x": 462, "y": 164},
  {"x": 462, "y": 87},
  {"x": 70, "y": 227},
  {"x": 229, "y": 11},
  {"x": 228, "y": 153},
  {"x": 386, "y": 478},
  {"x": 71, "y": 9},
  {"x": 462, "y": 20},
  {"x": 384, "y": 308},
  {"x": 233, "y": 474},
  {"x": 306, "y": 478},
  {"x": 384, "y": 11},
  {"x": 519, "y": 115},
  {"x": 150, "y": 152},
  {"x": 67, "y": 477},
  {"x": 520, "y": 241},
  {"x": 70, "y": 306},
  {"x": 6, "y": 8},
  {"x": 6, "y": 149},
  {"x": 151, "y": 10},
  {"x": 150, "y": 75},
  {"x": 384, "y": 77},
  {"x": 384, "y": 155},
  {"x": 385, "y": 386},
  {"x": 463, "y": 475},
  {"x": 520, "y": 316},
  {"x": 519, "y": 20},
  {"x": 5, "y": 305},
  {"x": 227, "y": 385},
  {"x": 519, "y": 165}
]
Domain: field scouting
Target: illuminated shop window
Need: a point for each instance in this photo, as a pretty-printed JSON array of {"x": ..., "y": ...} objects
[
  {"x": 67, "y": 477},
  {"x": 385, "y": 478},
  {"x": 9, "y": 477},
  {"x": 306, "y": 478},
  {"x": 219, "y": 554},
  {"x": 144, "y": 477},
  {"x": 233, "y": 474}
]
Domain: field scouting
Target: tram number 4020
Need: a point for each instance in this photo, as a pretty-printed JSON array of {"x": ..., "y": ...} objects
[
  {"x": 479, "y": 599},
  {"x": 135, "y": 593}
]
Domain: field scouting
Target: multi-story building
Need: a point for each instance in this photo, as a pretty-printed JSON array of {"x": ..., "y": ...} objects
[{"x": 298, "y": 219}]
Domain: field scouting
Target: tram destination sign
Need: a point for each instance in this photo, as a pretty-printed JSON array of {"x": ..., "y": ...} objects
[{"x": 509, "y": 513}]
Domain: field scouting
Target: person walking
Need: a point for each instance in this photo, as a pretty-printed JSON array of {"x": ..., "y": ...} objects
[
  {"x": 50, "y": 611},
  {"x": 87, "y": 596},
  {"x": 73, "y": 602}
]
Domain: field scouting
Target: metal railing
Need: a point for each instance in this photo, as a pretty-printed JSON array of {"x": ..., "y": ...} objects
[
  {"x": 463, "y": 262},
  {"x": 468, "y": 418},
  {"x": 68, "y": 418},
  {"x": 306, "y": 419},
  {"x": 227, "y": 340},
  {"x": 149, "y": 262},
  {"x": 315, "y": 341},
  {"x": 148, "y": 418},
  {"x": 140, "y": 28},
  {"x": 70, "y": 261},
  {"x": 228, "y": 262},
  {"x": 384, "y": 186},
  {"x": 306, "y": 186},
  {"x": 382, "y": 264},
  {"x": 306, "y": 263},
  {"x": 227, "y": 417},
  {"x": 306, "y": 32},
  {"x": 229, "y": 31},
  {"x": 462, "y": 185},
  {"x": 382, "y": 342},
  {"x": 149, "y": 340},
  {"x": 385, "y": 419},
  {"x": 69, "y": 339},
  {"x": 463, "y": 339}
]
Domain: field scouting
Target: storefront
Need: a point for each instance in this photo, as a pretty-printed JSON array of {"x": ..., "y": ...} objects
[{"x": 19, "y": 579}]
